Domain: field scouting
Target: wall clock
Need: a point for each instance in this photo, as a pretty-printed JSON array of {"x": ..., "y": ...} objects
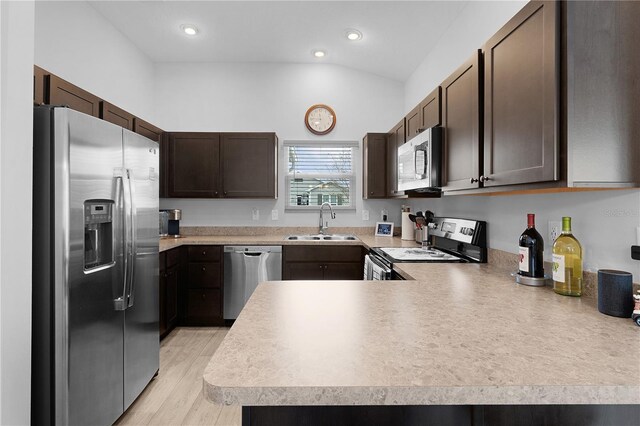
[{"x": 320, "y": 119}]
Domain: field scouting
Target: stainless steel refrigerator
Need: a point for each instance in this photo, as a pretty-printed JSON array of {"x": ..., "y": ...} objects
[{"x": 95, "y": 268}]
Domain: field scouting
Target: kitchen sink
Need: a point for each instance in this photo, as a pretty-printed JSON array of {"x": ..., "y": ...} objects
[{"x": 320, "y": 237}]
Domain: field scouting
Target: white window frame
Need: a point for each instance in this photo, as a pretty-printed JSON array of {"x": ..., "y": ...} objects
[{"x": 316, "y": 143}]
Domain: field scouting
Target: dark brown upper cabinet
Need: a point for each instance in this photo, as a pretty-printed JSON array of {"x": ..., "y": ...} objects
[
  {"x": 115, "y": 115},
  {"x": 215, "y": 165},
  {"x": 521, "y": 107},
  {"x": 248, "y": 164},
  {"x": 147, "y": 130},
  {"x": 374, "y": 165},
  {"x": 461, "y": 122},
  {"x": 395, "y": 138},
  {"x": 61, "y": 92},
  {"x": 39, "y": 85},
  {"x": 426, "y": 114},
  {"x": 193, "y": 165}
]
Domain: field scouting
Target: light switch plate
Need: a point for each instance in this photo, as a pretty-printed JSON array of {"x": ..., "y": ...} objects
[
  {"x": 255, "y": 214},
  {"x": 274, "y": 214},
  {"x": 365, "y": 214},
  {"x": 555, "y": 229}
]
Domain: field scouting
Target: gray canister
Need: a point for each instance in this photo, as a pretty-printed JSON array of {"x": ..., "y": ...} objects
[{"x": 615, "y": 293}]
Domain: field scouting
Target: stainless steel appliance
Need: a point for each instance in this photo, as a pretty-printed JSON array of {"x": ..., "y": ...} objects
[
  {"x": 455, "y": 240},
  {"x": 244, "y": 268},
  {"x": 420, "y": 162},
  {"x": 95, "y": 268}
]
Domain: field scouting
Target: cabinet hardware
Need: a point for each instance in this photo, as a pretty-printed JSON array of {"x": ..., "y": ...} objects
[
  {"x": 224, "y": 192},
  {"x": 204, "y": 252},
  {"x": 484, "y": 178},
  {"x": 472, "y": 180},
  {"x": 204, "y": 269}
]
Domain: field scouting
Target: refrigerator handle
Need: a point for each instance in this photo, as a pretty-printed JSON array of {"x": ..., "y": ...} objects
[
  {"x": 120, "y": 303},
  {"x": 134, "y": 237}
]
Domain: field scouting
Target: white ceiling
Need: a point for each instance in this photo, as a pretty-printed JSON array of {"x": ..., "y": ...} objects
[{"x": 398, "y": 35}]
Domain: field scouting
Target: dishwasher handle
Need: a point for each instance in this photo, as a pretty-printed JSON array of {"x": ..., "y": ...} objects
[{"x": 252, "y": 253}]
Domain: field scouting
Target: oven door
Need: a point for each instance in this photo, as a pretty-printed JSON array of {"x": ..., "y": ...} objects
[{"x": 376, "y": 270}]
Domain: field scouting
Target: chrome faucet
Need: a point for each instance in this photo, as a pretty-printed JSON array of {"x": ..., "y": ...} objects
[{"x": 322, "y": 225}]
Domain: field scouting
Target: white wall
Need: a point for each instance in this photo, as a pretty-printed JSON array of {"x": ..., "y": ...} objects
[
  {"x": 16, "y": 143},
  {"x": 76, "y": 43},
  {"x": 477, "y": 22},
  {"x": 604, "y": 221},
  {"x": 274, "y": 98}
]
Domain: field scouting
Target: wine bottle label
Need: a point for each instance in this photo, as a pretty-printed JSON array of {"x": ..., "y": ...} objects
[
  {"x": 558, "y": 268},
  {"x": 523, "y": 259}
]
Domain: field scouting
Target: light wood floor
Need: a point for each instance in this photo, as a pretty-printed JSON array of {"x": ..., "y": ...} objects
[{"x": 175, "y": 397}]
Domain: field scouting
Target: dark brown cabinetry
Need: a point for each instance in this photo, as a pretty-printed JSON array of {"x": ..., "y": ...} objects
[
  {"x": 322, "y": 262},
  {"x": 204, "y": 286},
  {"x": 374, "y": 165},
  {"x": 146, "y": 129},
  {"x": 115, "y": 115},
  {"x": 61, "y": 92},
  {"x": 426, "y": 114},
  {"x": 38, "y": 85},
  {"x": 169, "y": 265},
  {"x": 193, "y": 165},
  {"x": 521, "y": 105},
  {"x": 461, "y": 121},
  {"x": 395, "y": 138},
  {"x": 213, "y": 165},
  {"x": 248, "y": 165}
]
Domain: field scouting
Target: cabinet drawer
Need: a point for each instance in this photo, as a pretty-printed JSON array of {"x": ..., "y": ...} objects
[
  {"x": 205, "y": 253},
  {"x": 173, "y": 257},
  {"x": 203, "y": 305},
  {"x": 204, "y": 275},
  {"x": 323, "y": 253}
]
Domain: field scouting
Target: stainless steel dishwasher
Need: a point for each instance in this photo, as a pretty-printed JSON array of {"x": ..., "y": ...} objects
[{"x": 244, "y": 268}]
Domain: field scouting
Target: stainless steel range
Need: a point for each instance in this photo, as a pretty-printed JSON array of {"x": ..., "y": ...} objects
[{"x": 454, "y": 240}]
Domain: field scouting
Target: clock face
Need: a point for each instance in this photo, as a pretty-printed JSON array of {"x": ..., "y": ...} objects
[{"x": 320, "y": 119}]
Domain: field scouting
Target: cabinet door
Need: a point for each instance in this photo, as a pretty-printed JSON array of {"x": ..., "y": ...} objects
[
  {"x": 62, "y": 92},
  {"x": 171, "y": 298},
  {"x": 395, "y": 138},
  {"x": 343, "y": 271},
  {"x": 414, "y": 122},
  {"x": 461, "y": 122},
  {"x": 115, "y": 115},
  {"x": 303, "y": 271},
  {"x": 38, "y": 85},
  {"x": 521, "y": 98},
  {"x": 430, "y": 110},
  {"x": 193, "y": 165},
  {"x": 374, "y": 167},
  {"x": 162, "y": 294},
  {"x": 249, "y": 165},
  {"x": 147, "y": 130}
]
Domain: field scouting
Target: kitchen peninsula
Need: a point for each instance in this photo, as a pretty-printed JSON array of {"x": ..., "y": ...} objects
[{"x": 461, "y": 344}]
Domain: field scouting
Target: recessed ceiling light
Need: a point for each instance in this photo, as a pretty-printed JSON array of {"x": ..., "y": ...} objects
[
  {"x": 189, "y": 29},
  {"x": 319, "y": 53},
  {"x": 354, "y": 35}
]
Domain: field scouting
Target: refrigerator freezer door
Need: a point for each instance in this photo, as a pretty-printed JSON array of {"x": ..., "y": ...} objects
[
  {"x": 141, "y": 339},
  {"x": 88, "y": 153}
]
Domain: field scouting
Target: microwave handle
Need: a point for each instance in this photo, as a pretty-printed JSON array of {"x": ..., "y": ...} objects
[{"x": 420, "y": 174}]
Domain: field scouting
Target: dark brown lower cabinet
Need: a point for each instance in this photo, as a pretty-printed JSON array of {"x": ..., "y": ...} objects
[
  {"x": 203, "y": 295},
  {"x": 169, "y": 268},
  {"x": 322, "y": 262}
]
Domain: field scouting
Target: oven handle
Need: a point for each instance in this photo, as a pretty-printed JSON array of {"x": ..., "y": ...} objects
[{"x": 376, "y": 261}]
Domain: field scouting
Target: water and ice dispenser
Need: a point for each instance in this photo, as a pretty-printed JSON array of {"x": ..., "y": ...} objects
[{"x": 98, "y": 233}]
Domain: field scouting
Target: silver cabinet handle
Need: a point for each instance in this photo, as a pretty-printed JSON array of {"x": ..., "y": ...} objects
[
  {"x": 484, "y": 178},
  {"x": 472, "y": 180}
]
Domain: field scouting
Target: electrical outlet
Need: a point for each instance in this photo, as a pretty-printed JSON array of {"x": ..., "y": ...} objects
[
  {"x": 274, "y": 214},
  {"x": 255, "y": 214},
  {"x": 365, "y": 214},
  {"x": 555, "y": 229}
]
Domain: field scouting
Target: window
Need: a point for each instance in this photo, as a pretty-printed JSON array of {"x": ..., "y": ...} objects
[{"x": 320, "y": 173}]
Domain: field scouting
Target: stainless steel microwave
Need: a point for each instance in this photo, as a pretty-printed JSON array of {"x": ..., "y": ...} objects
[{"x": 420, "y": 162}]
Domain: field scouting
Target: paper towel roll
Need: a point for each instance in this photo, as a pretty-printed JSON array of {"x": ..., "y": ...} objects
[{"x": 408, "y": 227}]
